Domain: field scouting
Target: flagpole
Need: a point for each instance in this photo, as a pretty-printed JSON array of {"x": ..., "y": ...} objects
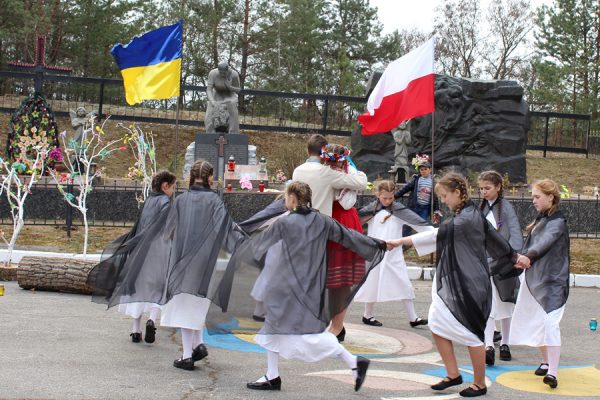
[
  {"x": 176, "y": 135},
  {"x": 432, "y": 158}
]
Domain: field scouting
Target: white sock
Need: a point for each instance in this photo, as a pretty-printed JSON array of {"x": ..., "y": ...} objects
[
  {"x": 489, "y": 332},
  {"x": 505, "y": 330},
  {"x": 198, "y": 338},
  {"x": 553, "y": 359},
  {"x": 154, "y": 313},
  {"x": 187, "y": 337},
  {"x": 348, "y": 358},
  {"x": 409, "y": 306},
  {"x": 137, "y": 325},
  {"x": 272, "y": 364},
  {"x": 259, "y": 309},
  {"x": 369, "y": 307}
]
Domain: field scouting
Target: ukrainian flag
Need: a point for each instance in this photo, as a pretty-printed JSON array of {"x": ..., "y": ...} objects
[{"x": 151, "y": 64}]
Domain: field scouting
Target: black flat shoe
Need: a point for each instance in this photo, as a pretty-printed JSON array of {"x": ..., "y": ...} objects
[
  {"x": 150, "y": 335},
  {"x": 258, "y": 318},
  {"x": 342, "y": 335},
  {"x": 551, "y": 381},
  {"x": 184, "y": 363},
  {"x": 371, "y": 321},
  {"x": 136, "y": 337},
  {"x": 418, "y": 321},
  {"x": 505, "y": 353},
  {"x": 490, "y": 356},
  {"x": 443, "y": 384},
  {"x": 362, "y": 365},
  {"x": 470, "y": 392},
  {"x": 199, "y": 352},
  {"x": 273, "y": 384},
  {"x": 497, "y": 336},
  {"x": 541, "y": 371}
]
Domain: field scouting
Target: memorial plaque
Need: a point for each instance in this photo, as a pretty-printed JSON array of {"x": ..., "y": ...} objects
[
  {"x": 212, "y": 146},
  {"x": 252, "y": 172}
]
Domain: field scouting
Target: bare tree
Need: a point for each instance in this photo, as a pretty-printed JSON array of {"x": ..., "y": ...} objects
[
  {"x": 460, "y": 38},
  {"x": 509, "y": 23}
]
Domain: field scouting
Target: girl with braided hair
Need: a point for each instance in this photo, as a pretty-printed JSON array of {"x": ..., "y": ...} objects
[
  {"x": 501, "y": 215},
  {"x": 461, "y": 291}
]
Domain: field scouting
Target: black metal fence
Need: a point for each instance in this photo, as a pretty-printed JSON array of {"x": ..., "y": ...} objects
[{"x": 559, "y": 132}]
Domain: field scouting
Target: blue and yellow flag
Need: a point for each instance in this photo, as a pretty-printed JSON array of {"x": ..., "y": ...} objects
[{"x": 151, "y": 64}]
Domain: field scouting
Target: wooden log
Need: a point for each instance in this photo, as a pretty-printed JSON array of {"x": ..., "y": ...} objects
[
  {"x": 55, "y": 274},
  {"x": 8, "y": 272}
]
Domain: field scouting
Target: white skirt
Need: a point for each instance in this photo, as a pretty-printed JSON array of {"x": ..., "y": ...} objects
[
  {"x": 444, "y": 324},
  {"x": 531, "y": 325},
  {"x": 388, "y": 281},
  {"x": 135, "y": 310},
  {"x": 310, "y": 348},
  {"x": 500, "y": 309},
  {"x": 185, "y": 311}
]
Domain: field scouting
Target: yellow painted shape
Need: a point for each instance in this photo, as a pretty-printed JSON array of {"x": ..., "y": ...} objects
[{"x": 583, "y": 381}]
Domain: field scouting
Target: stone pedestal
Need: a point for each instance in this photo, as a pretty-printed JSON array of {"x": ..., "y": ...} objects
[{"x": 251, "y": 171}]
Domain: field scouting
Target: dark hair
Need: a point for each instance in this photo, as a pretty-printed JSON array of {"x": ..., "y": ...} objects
[
  {"x": 453, "y": 181},
  {"x": 495, "y": 179},
  {"x": 161, "y": 177},
  {"x": 302, "y": 192},
  {"x": 548, "y": 187},
  {"x": 200, "y": 172},
  {"x": 315, "y": 143}
]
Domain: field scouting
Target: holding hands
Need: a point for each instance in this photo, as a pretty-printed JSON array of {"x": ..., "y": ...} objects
[
  {"x": 392, "y": 244},
  {"x": 523, "y": 262}
]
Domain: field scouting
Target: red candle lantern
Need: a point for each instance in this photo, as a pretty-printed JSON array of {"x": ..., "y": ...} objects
[
  {"x": 231, "y": 164},
  {"x": 261, "y": 186},
  {"x": 229, "y": 187}
]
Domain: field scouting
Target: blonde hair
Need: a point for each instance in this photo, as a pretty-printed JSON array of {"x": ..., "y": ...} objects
[
  {"x": 388, "y": 186},
  {"x": 454, "y": 181},
  {"x": 549, "y": 188}
]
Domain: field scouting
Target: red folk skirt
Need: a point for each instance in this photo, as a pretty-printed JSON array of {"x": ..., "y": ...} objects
[{"x": 345, "y": 268}]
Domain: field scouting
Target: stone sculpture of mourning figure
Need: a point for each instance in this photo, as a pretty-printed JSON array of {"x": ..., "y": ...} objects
[
  {"x": 222, "y": 91},
  {"x": 79, "y": 118},
  {"x": 402, "y": 138}
]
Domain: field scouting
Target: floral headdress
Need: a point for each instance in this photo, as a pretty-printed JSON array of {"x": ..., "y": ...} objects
[
  {"x": 327, "y": 154},
  {"x": 420, "y": 159}
]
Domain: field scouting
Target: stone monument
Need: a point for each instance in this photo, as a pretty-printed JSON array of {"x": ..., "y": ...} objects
[
  {"x": 401, "y": 136},
  {"x": 222, "y": 91},
  {"x": 79, "y": 118},
  {"x": 478, "y": 125}
]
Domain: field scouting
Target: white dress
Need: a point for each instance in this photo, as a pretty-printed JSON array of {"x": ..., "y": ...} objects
[
  {"x": 500, "y": 309},
  {"x": 531, "y": 325},
  {"x": 441, "y": 320},
  {"x": 389, "y": 280},
  {"x": 185, "y": 311},
  {"x": 135, "y": 310}
]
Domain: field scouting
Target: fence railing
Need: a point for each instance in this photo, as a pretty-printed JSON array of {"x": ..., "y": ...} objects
[{"x": 559, "y": 132}]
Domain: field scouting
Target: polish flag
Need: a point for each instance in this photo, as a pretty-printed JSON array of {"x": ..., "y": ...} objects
[{"x": 404, "y": 91}]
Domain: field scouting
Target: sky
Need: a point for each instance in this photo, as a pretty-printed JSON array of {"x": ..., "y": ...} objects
[{"x": 400, "y": 14}]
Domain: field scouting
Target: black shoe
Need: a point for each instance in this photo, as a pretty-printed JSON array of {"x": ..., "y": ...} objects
[
  {"x": 362, "y": 365},
  {"x": 541, "y": 371},
  {"x": 371, "y": 321},
  {"x": 505, "y": 353},
  {"x": 258, "y": 318},
  {"x": 150, "y": 335},
  {"x": 418, "y": 321},
  {"x": 199, "y": 352},
  {"x": 497, "y": 336},
  {"x": 490, "y": 355},
  {"x": 184, "y": 363},
  {"x": 273, "y": 384},
  {"x": 443, "y": 384},
  {"x": 136, "y": 337},
  {"x": 551, "y": 381},
  {"x": 470, "y": 392},
  {"x": 342, "y": 335}
]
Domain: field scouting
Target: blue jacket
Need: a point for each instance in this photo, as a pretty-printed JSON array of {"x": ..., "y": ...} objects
[{"x": 412, "y": 199}]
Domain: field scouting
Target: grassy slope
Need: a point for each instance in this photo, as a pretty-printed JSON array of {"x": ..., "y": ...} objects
[{"x": 285, "y": 152}]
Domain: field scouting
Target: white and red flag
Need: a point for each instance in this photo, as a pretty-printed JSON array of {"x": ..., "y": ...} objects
[{"x": 404, "y": 91}]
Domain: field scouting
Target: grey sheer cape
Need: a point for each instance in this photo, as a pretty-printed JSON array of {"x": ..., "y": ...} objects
[
  {"x": 296, "y": 298},
  {"x": 110, "y": 272},
  {"x": 462, "y": 272},
  {"x": 547, "y": 245},
  {"x": 397, "y": 209},
  {"x": 506, "y": 277},
  {"x": 180, "y": 256},
  {"x": 275, "y": 209}
]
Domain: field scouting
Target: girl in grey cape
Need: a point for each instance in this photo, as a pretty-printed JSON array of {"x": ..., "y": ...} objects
[
  {"x": 544, "y": 291},
  {"x": 109, "y": 273},
  {"x": 461, "y": 291},
  {"x": 501, "y": 215},
  {"x": 293, "y": 286}
]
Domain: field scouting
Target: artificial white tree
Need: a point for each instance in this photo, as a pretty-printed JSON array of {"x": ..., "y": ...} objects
[
  {"x": 17, "y": 188},
  {"x": 82, "y": 168},
  {"x": 144, "y": 153}
]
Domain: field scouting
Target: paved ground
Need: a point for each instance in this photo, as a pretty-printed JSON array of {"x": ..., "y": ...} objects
[{"x": 62, "y": 346}]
